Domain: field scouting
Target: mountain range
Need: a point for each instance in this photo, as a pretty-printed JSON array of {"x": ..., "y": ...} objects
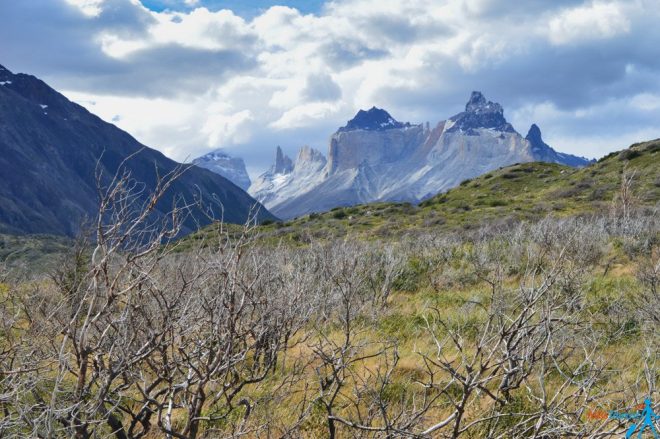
[
  {"x": 51, "y": 150},
  {"x": 374, "y": 157}
]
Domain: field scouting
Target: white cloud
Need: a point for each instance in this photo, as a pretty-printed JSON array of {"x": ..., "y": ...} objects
[
  {"x": 91, "y": 8},
  {"x": 646, "y": 101},
  {"x": 116, "y": 47},
  {"x": 305, "y": 114},
  {"x": 591, "y": 22},
  {"x": 223, "y": 129}
]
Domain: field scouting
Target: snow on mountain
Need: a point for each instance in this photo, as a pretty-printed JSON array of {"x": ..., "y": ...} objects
[
  {"x": 376, "y": 158},
  {"x": 232, "y": 168},
  {"x": 288, "y": 179}
]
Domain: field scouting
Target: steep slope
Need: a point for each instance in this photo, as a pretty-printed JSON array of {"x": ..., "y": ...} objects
[
  {"x": 232, "y": 168},
  {"x": 49, "y": 149},
  {"x": 376, "y": 158}
]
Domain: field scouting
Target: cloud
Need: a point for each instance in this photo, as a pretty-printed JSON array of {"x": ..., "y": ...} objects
[
  {"x": 227, "y": 128},
  {"x": 90, "y": 8},
  {"x": 190, "y": 78},
  {"x": 592, "y": 22},
  {"x": 304, "y": 114},
  {"x": 321, "y": 87}
]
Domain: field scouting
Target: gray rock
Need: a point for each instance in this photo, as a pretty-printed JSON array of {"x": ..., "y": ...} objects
[{"x": 401, "y": 162}]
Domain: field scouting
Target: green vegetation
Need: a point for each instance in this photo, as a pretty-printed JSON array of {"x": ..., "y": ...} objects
[{"x": 32, "y": 252}]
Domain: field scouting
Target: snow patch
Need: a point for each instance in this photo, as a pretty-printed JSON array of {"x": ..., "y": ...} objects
[
  {"x": 43, "y": 106},
  {"x": 5, "y": 82}
]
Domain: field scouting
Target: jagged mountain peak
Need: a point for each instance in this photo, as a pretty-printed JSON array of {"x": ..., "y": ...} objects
[
  {"x": 480, "y": 113},
  {"x": 309, "y": 154},
  {"x": 367, "y": 161},
  {"x": 283, "y": 163},
  {"x": 534, "y": 135},
  {"x": 374, "y": 119},
  {"x": 535, "y": 139},
  {"x": 479, "y": 104}
]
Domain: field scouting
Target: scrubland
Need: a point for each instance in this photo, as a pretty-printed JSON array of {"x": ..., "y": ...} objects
[{"x": 520, "y": 328}]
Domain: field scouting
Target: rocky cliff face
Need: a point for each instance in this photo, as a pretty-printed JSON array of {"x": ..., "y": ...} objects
[
  {"x": 287, "y": 179},
  {"x": 376, "y": 158},
  {"x": 232, "y": 168},
  {"x": 349, "y": 149}
]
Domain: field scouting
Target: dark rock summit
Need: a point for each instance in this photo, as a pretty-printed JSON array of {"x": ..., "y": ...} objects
[
  {"x": 375, "y": 119},
  {"x": 51, "y": 149},
  {"x": 480, "y": 113},
  {"x": 535, "y": 139},
  {"x": 545, "y": 153}
]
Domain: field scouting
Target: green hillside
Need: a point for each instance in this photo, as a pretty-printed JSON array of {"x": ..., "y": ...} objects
[
  {"x": 32, "y": 252},
  {"x": 526, "y": 191}
]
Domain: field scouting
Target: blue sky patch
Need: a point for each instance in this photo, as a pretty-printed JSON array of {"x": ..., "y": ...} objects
[{"x": 246, "y": 9}]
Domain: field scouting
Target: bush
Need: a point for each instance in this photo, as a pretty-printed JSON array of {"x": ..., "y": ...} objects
[
  {"x": 339, "y": 214},
  {"x": 629, "y": 154}
]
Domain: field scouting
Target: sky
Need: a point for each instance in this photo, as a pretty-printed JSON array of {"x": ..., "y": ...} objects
[{"x": 190, "y": 76}]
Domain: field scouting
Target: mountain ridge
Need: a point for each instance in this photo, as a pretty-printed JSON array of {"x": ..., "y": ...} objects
[
  {"x": 51, "y": 147},
  {"x": 376, "y": 158}
]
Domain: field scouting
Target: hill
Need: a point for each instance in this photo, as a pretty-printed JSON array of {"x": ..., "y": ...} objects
[{"x": 527, "y": 191}]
